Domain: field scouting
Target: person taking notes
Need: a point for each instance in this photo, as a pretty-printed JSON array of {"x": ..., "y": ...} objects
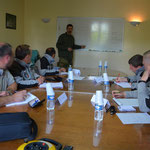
[
  {"x": 144, "y": 85},
  {"x": 45, "y": 64},
  {"x": 7, "y": 83},
  {"x": 21, "y": 69},
  {"x": 134, "y": 93},
  {"x": 136, "y": 66}
]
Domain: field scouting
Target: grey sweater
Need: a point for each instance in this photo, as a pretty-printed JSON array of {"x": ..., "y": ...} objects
[
  {"x": 136, "y": 78},
  {"x": 143, "y": 97},
  {"x": 134, "y": 83}
]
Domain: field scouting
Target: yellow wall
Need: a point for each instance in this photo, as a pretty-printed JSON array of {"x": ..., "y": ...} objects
[
  {"x": 41, "y": 35},
  {"x": 15, "y": 7}
]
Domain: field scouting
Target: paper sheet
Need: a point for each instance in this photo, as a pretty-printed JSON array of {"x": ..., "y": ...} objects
[
  {"x": 100, "y": 79},
  {"x": 57, "y": 85},
  {"x": 123, "y": 84},
  {"x": 76, "y": 72},
  {"x": 78, "y": 78},
  {"x": 127, "y": 102},
  {"x": 126, "y": 108},
  {"x": 29, "y": 98},
  {"x": 134, "y": 118},
  {"x": 63, "y": 73}
]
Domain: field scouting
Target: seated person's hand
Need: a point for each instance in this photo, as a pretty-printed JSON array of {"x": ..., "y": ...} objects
[
  {"x": 20, "y": 96},
  {"x": 118, "y": 94},
  {"x": 119, "y": 79},
  {"x": 62, "y": 70},
  {"x": 40, "y": 80},
  {"x": 4, "y": 93},
  {"x": 70, "y": 49},
  {"x": 83, "y": 46}
]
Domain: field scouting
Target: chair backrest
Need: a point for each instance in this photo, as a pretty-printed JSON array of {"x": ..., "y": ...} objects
[{"x": 35, "y": 56}]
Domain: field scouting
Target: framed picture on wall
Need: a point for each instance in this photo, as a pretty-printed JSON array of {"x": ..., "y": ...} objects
[{"x": 10, "y": 21}]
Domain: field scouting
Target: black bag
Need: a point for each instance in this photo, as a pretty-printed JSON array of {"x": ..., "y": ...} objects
[{"x": 17, "y": 126}]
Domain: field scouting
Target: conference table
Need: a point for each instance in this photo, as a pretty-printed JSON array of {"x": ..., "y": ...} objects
[{"x": 72, "y": 123}]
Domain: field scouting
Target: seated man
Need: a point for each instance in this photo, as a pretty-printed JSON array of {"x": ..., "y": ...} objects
[
  {"x": 45, "y": 64},
  {"x": 7, "y": 83},
  {"x": 25, "y": 76},
  {"x": 130, "y": 94},
  {"x": 136, "y": 66},
  {"x": 144, "y": 85}
]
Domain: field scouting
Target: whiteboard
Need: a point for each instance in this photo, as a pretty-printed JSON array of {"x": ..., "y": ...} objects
[{"x": 98, "y": 34}]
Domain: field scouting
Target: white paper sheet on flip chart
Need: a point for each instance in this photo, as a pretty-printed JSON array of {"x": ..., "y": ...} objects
[
  {"x": 127, "y": 102},
  {"x": 134, "y": 118}
]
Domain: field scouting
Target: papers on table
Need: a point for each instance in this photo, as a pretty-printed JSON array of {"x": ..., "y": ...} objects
[
  {"x": 126, "y": 108},
  {"x": 134, "y": 118},
  {"x": 78, "y": 78},
  {"x": 76, "y": 72},
  {"x": 127, "y": 102},
  {"x": 123, "y": 84},
  {"x": 42, "y": 85},
  {"x": 63, "y": 73},
  {"x": 29, "y": 98},
  {"x": 99, "y": 79},
  {"x": 57, "y": 85}
]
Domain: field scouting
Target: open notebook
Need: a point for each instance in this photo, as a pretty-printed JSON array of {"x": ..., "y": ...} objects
[
  {"x": 126, "y": 102},
  {"x": 123, "y": 84}
]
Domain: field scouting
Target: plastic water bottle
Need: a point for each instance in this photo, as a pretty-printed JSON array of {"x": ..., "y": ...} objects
[
  {"x": 97, "y": 132},
  {"x": 70, "y": 68},
  {"x": 105, "y": 67},
  {"x": 106, "y": 82},
  {"x": 50, "y": 121},
  {"x": 50, "y": 97},
  {"x": 100, "y": 68},
  {"x": 70, "y": 81},
  {"x": 70, "y": 98},
  {"x": 50, "y": 116},
  {"x": 99, "y": 104}
]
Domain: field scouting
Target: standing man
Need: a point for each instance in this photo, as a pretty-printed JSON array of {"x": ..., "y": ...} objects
[{"x": 66, "y": 45}]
